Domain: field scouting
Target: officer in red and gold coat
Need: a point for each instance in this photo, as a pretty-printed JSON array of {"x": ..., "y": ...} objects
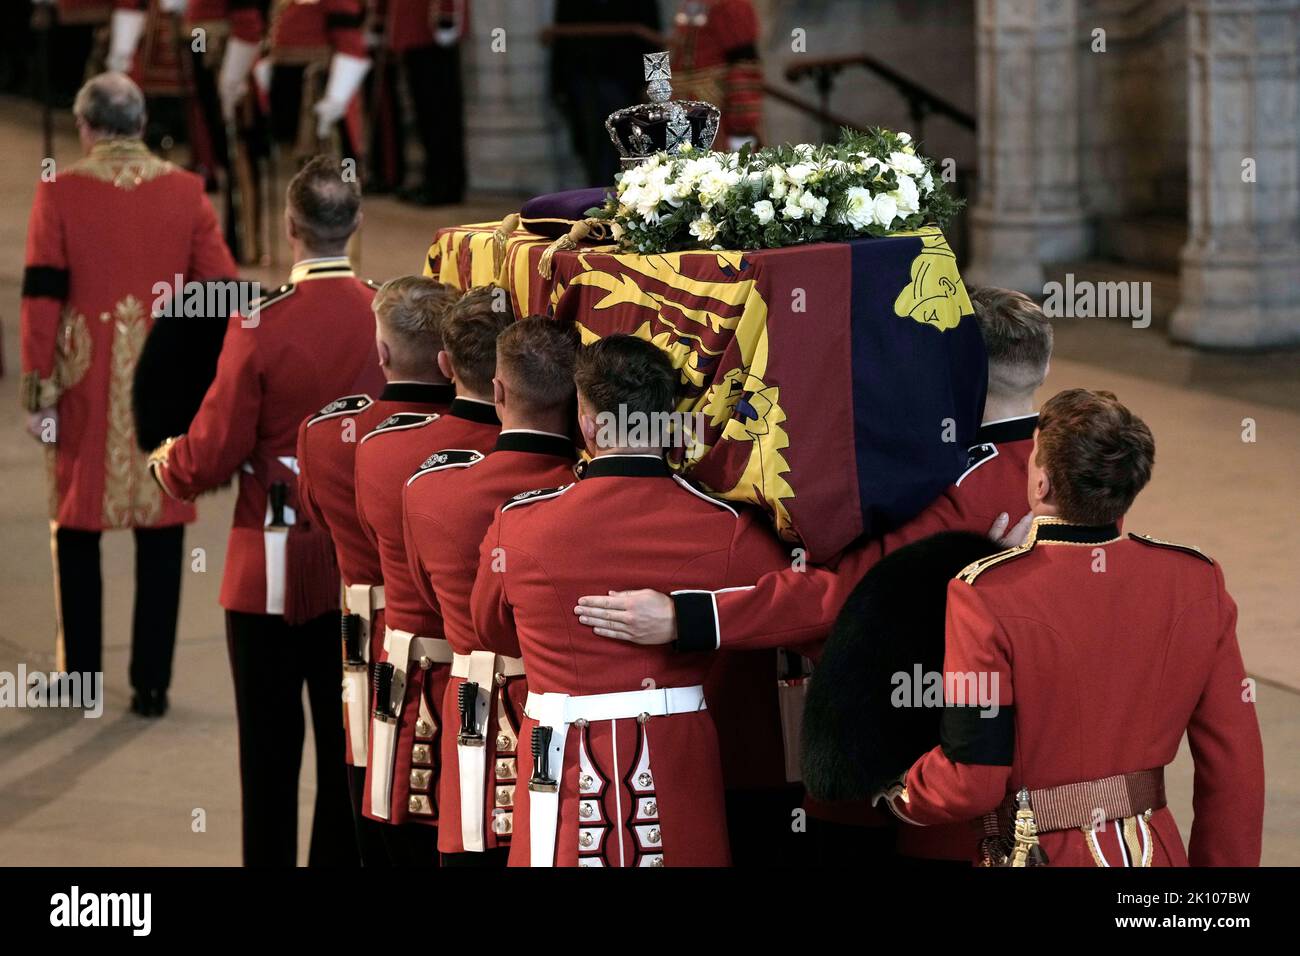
[
  {"x": 792, "y": 608},
  {"x": 715, "y": 58},
  {"x": 1063, "y": 742},
  {"x": 317, "y": 63},
  {"x": 626, "y": 770},
  {"x": 327, "y": 448},
  {"x": 311, "y": 339},
  {"x": 401, "y": 774},
  {"x": 448, "y": 507},
  {"x": 104, "y": 233}
]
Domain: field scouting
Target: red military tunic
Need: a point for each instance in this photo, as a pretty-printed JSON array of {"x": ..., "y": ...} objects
[
  {"x": 327, "y": 447},
  {"x": 103, "y": 235},
  {"x": 303, "y": 31},
  {"x": 405, "y": 767},
  {"x": 448, "y": 509},
  {"x": 1105, "y": 649},
  {"x": 631, "y": 792},
  {"x": 715, "y": 58},
  {"x": 278, "y": 365}
]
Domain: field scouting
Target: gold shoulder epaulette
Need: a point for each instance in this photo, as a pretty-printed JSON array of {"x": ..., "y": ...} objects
[
  {"x": 1157, "y": 543},
  {"x": 973, "y": 570}
]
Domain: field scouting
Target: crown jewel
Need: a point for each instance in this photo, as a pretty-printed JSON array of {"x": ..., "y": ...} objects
[{"x": 663, "y": 123}]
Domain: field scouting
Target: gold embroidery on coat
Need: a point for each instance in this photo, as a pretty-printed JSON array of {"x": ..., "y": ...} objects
[
  {"x": 131, "y": 498},
  {"x": 126, "y": 163},
  {"x": 72, "y": 357}
]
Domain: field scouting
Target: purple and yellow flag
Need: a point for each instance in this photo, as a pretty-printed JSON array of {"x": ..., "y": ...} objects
[{"x": 838, "y": 385}]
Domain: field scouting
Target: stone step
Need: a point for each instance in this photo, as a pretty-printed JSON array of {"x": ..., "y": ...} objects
[
  {"x": 1163, "y": 284},
  {"x": 1154, "y": 241}
]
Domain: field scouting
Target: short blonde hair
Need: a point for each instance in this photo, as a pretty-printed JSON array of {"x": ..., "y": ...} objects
[{"x": 410, "y": 310}]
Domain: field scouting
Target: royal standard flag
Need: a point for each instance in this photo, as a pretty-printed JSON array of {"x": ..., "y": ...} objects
[{"x": 836, "y": 386}]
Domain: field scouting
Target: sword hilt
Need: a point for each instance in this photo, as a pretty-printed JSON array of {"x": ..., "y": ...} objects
[
  {"x": 351, "y": 632},
  {"x": 383, "y": 687}
]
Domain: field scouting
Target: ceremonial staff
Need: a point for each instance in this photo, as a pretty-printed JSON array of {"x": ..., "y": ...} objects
[{"x": 42, "y": 24}]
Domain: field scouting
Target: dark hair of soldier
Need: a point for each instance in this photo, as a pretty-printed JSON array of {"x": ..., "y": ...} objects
[
  {"x": 628, "y": 373},
  {"x": 410, "y": 310},
  {"x": 323, "y": 205},
  {"x": 1017, "y": 338},
  {"x": 1097, "y": 454},
  {"x": 469, "y": 335},
  {"x": 535, "y": 359}
]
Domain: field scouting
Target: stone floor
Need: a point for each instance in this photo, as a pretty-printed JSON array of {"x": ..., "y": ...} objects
[{"x": 122, "y": 790}]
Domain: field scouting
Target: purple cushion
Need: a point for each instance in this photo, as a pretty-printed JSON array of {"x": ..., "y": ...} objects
[{"x": 553, "y": 214}]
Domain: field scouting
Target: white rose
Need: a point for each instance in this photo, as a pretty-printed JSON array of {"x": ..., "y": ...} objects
[
  {"x": 799, "y": 173},
  {"x": 792, "y": 209},
  {"x": 779, "y": 183},
  {"x": 704, "y": 228},
  {"x": 904, "y": 136},
  {"x": 764, "y": 211},
  {"x": 816, "y": 206},
  {"x": 859, "y": 210},
  {"x": 884, "y": 210},
  {"x": 907, "y": 196},
  {"x": 927, "y": 183},
  {"x": 907, "y": 163}
]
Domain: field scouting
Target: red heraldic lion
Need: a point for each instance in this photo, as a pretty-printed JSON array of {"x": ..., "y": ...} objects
[
  {"x": 626, "y": 770},
  {"x": 449, "y": 506},
  {"x": 402, "y": 773}
]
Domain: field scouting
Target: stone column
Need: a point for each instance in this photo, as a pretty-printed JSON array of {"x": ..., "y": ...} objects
[
  {"x": 1029, "y": 210},
  {"x": 516, "y": 141},
  {"x": 1241, "y": 265}
]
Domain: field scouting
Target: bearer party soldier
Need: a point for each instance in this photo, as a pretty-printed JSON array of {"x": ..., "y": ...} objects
[
  {"x": 408, "y": 322},
  {"x": 792, "y": 607},
  {"x": 414, "y": 665},
  {"x": 302, "y": 345},
  {"x": 448, "y": 508},
  {"x": 625, "y": 768},
  {"x": 1101, "y": 651}
]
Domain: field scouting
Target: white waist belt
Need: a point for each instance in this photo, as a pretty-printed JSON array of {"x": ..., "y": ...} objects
[
  {"x": 553, "y": 709},
  {"x": 364, "y": 599},
  {"x": 558, "y": 711},
  {"x": 505, "y": 666}
]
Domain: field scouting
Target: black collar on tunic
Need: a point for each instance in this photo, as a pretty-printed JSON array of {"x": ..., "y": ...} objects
[
  {"x": 1013, "y": 429},
  {"x": 538, "y": 443},
  {"x": 485, "y": 413},
  {"x": 627, "y": 466},
  {"x": 419, "y": 393},
  {"x": 1075, "y": 533}
]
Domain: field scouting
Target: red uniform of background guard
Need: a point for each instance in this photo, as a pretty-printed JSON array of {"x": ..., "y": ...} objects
[
  {"x": 631, "y": 792},
  {"x": 448, "y": 509}
]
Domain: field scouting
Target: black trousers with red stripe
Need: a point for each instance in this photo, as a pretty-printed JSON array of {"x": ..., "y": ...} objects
[
  {"x": 158, "y": 557},
  {"x": 270, "y": 661}
]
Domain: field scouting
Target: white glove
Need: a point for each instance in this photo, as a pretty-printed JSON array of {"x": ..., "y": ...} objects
[
  {"x": 125, "y": 29},
  {"x": 346, "y": 74},
  {"x": 173, "y": 6},
  {"x": 232, "y": 81}
]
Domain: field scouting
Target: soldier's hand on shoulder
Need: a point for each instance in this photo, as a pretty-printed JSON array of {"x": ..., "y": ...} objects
[
  {"x": 639, "y": 617},
  {"x": 1013, "y": 538}
]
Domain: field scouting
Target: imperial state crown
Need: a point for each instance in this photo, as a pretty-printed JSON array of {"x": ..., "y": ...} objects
[{"x": 663, "y": 123}]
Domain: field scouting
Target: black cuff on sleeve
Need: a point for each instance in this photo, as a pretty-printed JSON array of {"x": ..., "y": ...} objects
[
  {"x": 344, "y": 21},
  {"x": 739, "y": 54},
  {"x": 697, "y": 624},
  {"x": 46, "y": 282},
  {"x": 968, "y": 736}
]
